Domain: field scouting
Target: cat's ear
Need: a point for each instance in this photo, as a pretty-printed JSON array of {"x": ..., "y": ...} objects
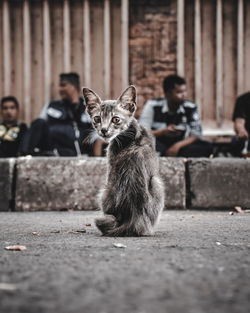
[
  {"x": 127, "y": 100},
  {"x": 92, "y": 100}
]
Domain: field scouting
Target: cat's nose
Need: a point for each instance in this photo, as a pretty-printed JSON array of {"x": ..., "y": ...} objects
[{"x": 104, "y": 131}]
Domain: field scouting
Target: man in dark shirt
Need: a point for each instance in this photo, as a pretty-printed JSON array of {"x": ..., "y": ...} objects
[
  {"x": 11, "y": 131},
  {"x": 63, "y": 125},
  {"x": 241, "y": 118},
  {"x": 175, "y": 122}
]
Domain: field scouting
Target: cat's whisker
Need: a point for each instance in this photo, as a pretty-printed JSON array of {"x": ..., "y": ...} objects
[{"x": 92, "y": 136}]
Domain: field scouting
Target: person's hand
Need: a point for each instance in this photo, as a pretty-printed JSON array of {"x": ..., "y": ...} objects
[
  {"x": 171, "y": 131},
  {"x": 173, "y": 150},
  {"x": 242, "y": 133}
]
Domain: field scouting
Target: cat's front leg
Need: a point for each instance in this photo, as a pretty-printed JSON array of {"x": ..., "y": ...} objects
[{"x": 107, "y": 201}]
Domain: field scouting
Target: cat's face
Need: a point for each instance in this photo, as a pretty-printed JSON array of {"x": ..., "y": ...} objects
[{"x": 110, "y": 117}]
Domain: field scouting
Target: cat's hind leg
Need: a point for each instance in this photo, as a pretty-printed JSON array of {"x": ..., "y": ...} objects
[{"x": 106, "y": 224}]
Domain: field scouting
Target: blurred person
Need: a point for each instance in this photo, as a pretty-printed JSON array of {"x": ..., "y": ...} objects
[
  {"x": 63, "y": 127},
  {"x": 11, "y": 130},
  {"x": 175, "y": 122},
  {"x": 241, "y": 117}
]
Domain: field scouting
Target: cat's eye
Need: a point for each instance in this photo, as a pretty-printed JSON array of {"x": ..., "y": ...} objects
[
  {"x": 115, "y": 120},
  {"x": 97, "y": 119}
]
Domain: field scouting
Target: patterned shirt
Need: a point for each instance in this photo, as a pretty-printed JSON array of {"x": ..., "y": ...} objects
[
  {"x": 155, "y": 116},
  {"x": 11, "y": 139}
]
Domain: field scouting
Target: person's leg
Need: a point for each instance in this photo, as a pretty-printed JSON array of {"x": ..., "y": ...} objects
[
  {"x": 163, "y": 143},
  {"x": 198, "y": 149},
  {"x": 37, "y": 138},
  {"x": 160, "y": 148},
  {"x": 237, "y": 146}
]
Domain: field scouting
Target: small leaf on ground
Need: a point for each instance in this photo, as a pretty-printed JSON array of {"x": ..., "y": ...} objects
[
  {"x": 7, "y": 286},
  {"x": 16, "y": 248},
  {"x": 119, "y": 245},
  {"x": 77, "y": 231}
]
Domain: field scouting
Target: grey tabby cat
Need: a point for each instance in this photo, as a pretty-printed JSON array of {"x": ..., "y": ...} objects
[{"x": 133, "y": 197}]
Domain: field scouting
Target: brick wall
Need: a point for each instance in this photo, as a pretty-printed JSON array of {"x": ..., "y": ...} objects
[{"x": 152, "y": 46}]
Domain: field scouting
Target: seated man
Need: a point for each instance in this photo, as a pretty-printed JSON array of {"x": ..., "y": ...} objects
[
  {"x": 63, "y": 125},
  {"x": 175, "y": 122},
  {"x": 241, "y": 118},
  {"x": 11, "y": 131}
]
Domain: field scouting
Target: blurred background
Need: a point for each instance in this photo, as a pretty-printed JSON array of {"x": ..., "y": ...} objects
[{"x": 113, "y": 43}]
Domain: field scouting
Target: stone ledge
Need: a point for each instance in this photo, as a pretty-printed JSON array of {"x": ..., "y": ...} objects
[
  {"x": 172, "y": 171},
  {"x": 219, "y": 182},
  {"x": 72, "y": 183},
  {"x": 59, "y": 183},
  {"x": 6, "y": 179}
]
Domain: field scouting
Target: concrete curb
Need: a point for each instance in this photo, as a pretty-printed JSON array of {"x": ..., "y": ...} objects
[
  {"x": 41, "y": 183},
  {"x": 7, "y": 167},
  {"x": 59, "y": 183},
  {"x": 219, "y": 182}
]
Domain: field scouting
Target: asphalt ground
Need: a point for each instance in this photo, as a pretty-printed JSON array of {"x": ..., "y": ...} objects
[{"x": 197, "y": 261}]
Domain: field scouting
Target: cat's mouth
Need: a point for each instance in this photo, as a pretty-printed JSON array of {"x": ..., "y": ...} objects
[{"x": 105, "y": 137}]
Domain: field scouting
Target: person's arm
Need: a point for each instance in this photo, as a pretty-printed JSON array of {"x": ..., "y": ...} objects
[
  {"x": 239, "y": 116},
  {"x": 169, "y": 131},
  {"x": 146, "y": 118},
  {"x": 97, "y": 150},
  {"x": 194, "y": 122},
  {"x": 43, "y": 115},
  {"x": 175, "y": 148},
  {"x": 239, "y": 127}
]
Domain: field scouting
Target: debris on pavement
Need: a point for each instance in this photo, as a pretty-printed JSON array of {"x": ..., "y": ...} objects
[
  {"x": 239, "y": 209},
  {"x": 218, "y": 243},
  {"x": 88, "y": 225},
  {"x": 16, "y": 248},
  {"x": 77, "y": 231},
  {"x": 35, "y": 233},
  {"x": 7, "y": 287},
  {"x": 231, "y": 213},
  {"x": 55, "y": 231},
  {"x": 119, "y": 245}
]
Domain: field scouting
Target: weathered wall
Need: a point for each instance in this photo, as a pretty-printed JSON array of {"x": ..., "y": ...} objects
[
  {"x": 152, "y": 43},
  {"x": 152, "y": 46}
]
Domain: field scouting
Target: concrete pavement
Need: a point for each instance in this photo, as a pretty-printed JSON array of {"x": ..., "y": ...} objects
[{"x": 197, "y": 261}]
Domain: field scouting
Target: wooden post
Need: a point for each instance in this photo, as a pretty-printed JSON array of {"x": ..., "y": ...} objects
[
  {"x": 240, "y": 48},
  {"x": 66, "y": 35},
  {"x": 107, "y": 50},
  {"x": 180, "y": 37},
  {"x": 219, "y": 63},
  {"x": 124, "y": 43},
  {"x": 197, "y": 51},
  {"x": 47, "y": 51},
  {"x": 6, "y": 48},
  {"x": 87, "y": 47},
  {"x": 27, "y": 60}
]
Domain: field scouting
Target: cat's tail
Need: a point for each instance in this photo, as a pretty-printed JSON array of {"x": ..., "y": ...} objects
[{"x": 109, "y": 227}]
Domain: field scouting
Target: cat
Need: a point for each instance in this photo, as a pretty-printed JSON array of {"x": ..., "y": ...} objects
[{"x": 133, "y": 197}]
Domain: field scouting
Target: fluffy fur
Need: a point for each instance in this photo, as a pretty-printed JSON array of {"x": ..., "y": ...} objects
[{"x": 133, "y": 197}]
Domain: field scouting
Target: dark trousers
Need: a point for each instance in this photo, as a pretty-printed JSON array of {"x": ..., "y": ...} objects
[
  {"x": 237, "y": 146},
  {"x": 197, "y": 149},
  {"x": 37, "y": 138}
]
